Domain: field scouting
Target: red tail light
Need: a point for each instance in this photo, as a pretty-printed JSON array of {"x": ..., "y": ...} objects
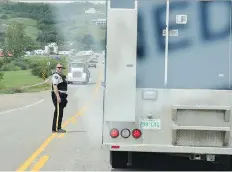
[
  {"x": 114, "y": 133},
  {"x": 136, "y": 133},
  {"x": 115, "y": 147}
]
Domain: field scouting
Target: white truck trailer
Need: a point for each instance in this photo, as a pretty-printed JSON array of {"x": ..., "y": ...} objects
[{"x": 168, "y": 93}]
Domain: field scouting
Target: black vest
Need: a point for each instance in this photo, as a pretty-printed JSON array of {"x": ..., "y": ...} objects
[{"x": 63, "y": 86}]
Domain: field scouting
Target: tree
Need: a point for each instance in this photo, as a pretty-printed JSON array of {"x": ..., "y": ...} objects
[
  {"x": 15, "y": 40},
  {"x": 4, "y": 17},
  {"x": 88, "y": 41},
  {"x": 102, "y": 43},
  {"x": 1, "y": 76},
  {"x": 2, "y": 31},
  {"x": 41, "y": 67},
  {"x": 30, "y": 44},
  {"x": 1, "y": 73}
]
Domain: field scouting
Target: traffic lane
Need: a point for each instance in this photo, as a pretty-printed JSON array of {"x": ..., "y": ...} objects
[
  {"x": 77, "y": 100},
  {"x": 80, "y": 148},
  {"x": 79, "y": 133},
  {"x": 23, "y": 131},
  {"x": 93, "y": 77},
  {"x": 14, "y": 101},
  {"x": 11, "y": 102}
]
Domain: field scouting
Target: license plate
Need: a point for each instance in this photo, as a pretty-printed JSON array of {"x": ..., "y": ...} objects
[
  {"x": 77, "y": 75},
  {"x": 150, "y": 124}
]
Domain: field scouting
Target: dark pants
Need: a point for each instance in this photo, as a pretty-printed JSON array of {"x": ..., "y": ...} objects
[{"x": 62, "y": 105}]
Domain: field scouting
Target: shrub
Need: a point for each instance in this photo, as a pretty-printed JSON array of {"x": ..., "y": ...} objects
[
  {"x": 10, "y": 67},
  {"x": 4, "y": 17},
  {"x": 21, "y": 63},
  {"x": 38, "y": 67},
  {"x": 32, "y": 64},
  {"x": 38, "y": 70}
]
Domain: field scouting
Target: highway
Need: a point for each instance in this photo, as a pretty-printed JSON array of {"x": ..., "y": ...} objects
[{"x": 27, "y": 142}]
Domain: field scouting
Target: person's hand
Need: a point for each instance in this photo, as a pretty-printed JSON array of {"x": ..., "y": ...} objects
[{"x": 58, "y": 100}]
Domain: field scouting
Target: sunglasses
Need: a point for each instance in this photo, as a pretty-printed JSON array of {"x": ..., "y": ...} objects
[{"x": 60, "y": 67}]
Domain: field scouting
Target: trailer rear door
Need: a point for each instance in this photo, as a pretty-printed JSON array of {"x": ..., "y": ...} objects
[
  {"x": 120, "y": 90},
  {"x": 199, "y": 57}
]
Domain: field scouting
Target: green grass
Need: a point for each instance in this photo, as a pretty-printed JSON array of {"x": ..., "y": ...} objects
[
  {"x": 18, "y": 79},
  {"x": 43, "y": 87},
  {"x": 31, "y": 25},
  {"x": 37, "y": 58},
  {"x": 32, "y": 32},
  {"x": 15, "y": 80},
  {"x": 26, "y": 21}
]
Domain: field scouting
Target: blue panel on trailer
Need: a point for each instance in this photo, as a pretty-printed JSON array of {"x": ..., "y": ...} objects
[
  {"x": 198, "y": 58},
  {"x": 129, "y": 4},
  {"x": 199, "y": 55},
  {"x": 150, "y": 50}
]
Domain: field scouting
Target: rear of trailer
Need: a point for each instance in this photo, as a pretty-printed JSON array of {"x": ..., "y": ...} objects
[{"x": 168, "y": 93}]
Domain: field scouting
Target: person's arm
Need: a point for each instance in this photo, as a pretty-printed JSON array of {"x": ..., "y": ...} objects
[
  {"x": 55, "y": 82},
  {"x": 56, "y": 90}
]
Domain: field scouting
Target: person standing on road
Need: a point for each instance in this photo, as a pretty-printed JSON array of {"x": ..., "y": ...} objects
[{"x": 59, "y": 97}]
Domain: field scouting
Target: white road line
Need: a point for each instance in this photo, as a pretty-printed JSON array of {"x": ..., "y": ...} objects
[
  {"x": 36, "y": 84},
  {"x": 24, "y": 107}
]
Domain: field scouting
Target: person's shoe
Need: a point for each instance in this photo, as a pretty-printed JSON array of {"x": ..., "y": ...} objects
[
  {"x": 61, "y": 131},
  {"x": 54, "y": 131}
]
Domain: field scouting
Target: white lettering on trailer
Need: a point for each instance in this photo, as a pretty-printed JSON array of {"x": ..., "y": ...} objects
[
  {"x": 181, "y": 19},
  {"x": 173, "y": 32}
]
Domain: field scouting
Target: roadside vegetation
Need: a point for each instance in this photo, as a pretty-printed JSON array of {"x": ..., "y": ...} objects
[
  {"x": 20, "y": 73},
  {"x": 60, "y": 23},
  {"x": 31, "y": 26}
]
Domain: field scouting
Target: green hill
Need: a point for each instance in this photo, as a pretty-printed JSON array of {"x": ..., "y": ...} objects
[
  {"x": 31, "y": 25},
  {"x": 53, "y": 23}
]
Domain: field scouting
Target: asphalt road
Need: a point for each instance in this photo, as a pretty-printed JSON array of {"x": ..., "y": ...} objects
[{"x": 27, "y": 142}]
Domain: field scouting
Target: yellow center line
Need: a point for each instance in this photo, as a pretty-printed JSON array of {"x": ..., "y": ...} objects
[
  {"x": 87, "y": 105},
  {"x": 61, "y": 135},
  {"x": 74, "y": 121},
  {"x": 40, "y": 163},
  {"x": 30, "y": 160}
]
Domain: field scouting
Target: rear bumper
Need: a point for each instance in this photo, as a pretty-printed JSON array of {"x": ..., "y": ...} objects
[
  {"x": 92, "y": 65},
  {"x": 169, "y": 149},
  {"x": 78, "y": 80}
]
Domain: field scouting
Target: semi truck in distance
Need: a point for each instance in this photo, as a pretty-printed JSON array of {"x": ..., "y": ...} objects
[
  {"x": 167, "y": 86},
  {"x": 78, "y": 72}
]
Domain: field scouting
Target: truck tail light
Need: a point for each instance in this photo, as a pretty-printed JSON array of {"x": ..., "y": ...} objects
[
  {"x": 114, "y": 133},
  {"x": 136, "y": 133}
]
